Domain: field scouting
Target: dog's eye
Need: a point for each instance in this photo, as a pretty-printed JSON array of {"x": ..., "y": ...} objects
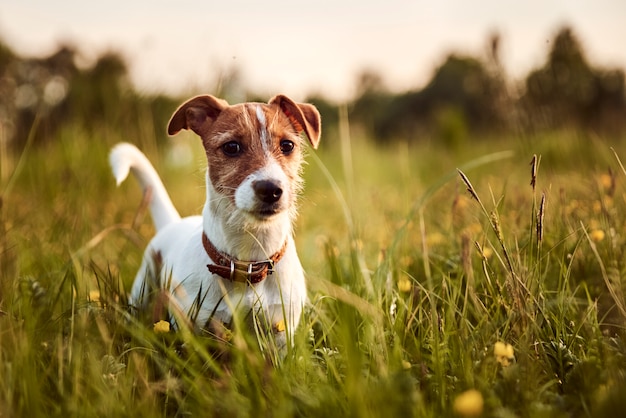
[
  {"x": 232, "y": 148},
  {"x": 286, "y": 146}
]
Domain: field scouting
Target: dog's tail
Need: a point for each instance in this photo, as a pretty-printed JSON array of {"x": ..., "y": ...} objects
[{"x": 125, "y": 158}]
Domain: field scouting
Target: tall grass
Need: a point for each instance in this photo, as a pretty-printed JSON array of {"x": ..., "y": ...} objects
[{"x": 440, "y": 285}]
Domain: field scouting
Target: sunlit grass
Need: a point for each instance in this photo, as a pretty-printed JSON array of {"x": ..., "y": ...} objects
[{"x": 433, "y": 291}]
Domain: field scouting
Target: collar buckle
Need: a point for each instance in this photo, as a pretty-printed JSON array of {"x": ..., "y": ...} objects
[{"x": 231, "y": 269}]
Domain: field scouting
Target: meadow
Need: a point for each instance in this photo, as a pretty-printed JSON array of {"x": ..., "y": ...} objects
[{"x": 486, "y": 279}]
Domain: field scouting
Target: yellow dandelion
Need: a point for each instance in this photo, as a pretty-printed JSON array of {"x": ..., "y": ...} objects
[
  {"x": 404, "y": 285},
  {"x": 484, "y": 252},
  {"x": 504, "y": 353},
  {"x": 406, "y": 260},
  {"x": 596, "y": 235},
  {"x": 435, "y": 238},
  {"x": 596, "y": 206},
  {"x": 606, "y": 180},
  {"x": 94, "y": 296},
  {"x": 161, "y": 327},
  {"x": 469, "y": 403},
  {"x": 279, "y": 326},
  {"x": 228, "y": 335}
]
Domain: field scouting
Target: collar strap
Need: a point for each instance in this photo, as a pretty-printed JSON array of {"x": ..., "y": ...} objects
[{"x": 240, "y": 271}]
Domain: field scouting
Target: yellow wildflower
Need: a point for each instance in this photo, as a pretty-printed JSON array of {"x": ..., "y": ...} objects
[
  {"x": 596, "y": 235},
  {"x": 162, "y": 327},
  {"x": 94, "y": 296},
  {"x": 406, "y": 261},
  {"x": 279, "y": 326},
  {"x": 596, "y": 206},
  {"x": 436, "y": 238},
  {"x": 504, "y": 353},
  {"x": 404, "y": 285},
  {"x": 227, "y": 336},
  {"x": 469, "y": 403},
  {"x": 606, "y": 180}
]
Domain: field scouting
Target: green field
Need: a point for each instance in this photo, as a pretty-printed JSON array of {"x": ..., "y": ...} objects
[{"x": 417, "y": 285}]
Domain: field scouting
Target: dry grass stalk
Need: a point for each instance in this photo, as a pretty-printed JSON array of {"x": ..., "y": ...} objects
[
  {"x": 470, "y": 188},
  {"x": 540, "y": 216},
  {"x": 515, "y": 287},
  {"x": 534, "y": 167}
]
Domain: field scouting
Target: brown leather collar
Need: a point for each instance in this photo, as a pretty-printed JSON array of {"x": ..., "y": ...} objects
[{"x": 240, "y": 271}]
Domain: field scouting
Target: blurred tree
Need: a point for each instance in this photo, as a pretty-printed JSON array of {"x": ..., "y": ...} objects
[
  {"x": 465, "y": 95},
  {"x": 465, "y": 83},
  {"x": 54, "y": 91},
  {"x": 32, "y": 87},
  {"x": 372, "y": 97},
  {"x": 96, "y": 94},
  {"x": 7, "y": 88},
  {"x": 6, "y": 57},
  {"x": 567, "y": 90},
  {"x": 462, "y": 88}
]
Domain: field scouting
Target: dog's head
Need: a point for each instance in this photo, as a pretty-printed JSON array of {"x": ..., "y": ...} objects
[{"x": 254, "y": 150}]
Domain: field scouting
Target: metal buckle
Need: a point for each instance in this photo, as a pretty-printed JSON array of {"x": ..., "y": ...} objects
[
  {"x": 235, "y": 267},
  {"x": 232, "y": 271}
]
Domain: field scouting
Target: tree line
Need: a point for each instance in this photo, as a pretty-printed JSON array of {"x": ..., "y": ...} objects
[
  {"x": 469, "y": 95},
  {"x": 466, "y": 96}
]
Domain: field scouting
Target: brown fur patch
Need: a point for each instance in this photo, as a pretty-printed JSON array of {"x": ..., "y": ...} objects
[{"x": 240, "y": 123}]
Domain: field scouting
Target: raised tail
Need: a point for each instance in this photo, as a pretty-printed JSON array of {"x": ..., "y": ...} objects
[{"x": 125, "y": 158}]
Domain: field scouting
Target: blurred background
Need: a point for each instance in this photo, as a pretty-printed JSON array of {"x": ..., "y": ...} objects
[
  {"x": 411, "y": 281},
  {"x": 405, "y": 70}
]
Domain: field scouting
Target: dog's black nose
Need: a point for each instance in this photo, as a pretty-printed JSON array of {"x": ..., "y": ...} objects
[{"x": 267, "y": 191}]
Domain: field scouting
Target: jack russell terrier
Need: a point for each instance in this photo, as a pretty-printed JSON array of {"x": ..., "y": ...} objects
[{"x": 240, "y": 255}]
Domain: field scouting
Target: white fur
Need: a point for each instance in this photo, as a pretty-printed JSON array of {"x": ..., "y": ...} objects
[
  {"x": 183, "y": 269},
  {"x": 245, "y": 197},
  {"x": 263, "y": 134},
  {"x": 125, "y": 158}
]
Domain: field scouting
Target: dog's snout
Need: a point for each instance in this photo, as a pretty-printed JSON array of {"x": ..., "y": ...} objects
[{"x": 267, "y": 191}]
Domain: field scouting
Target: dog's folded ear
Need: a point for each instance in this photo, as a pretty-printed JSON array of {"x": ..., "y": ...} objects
[
  {"x": 303, "y": 116},
  {"x": 196, "y": 114}
]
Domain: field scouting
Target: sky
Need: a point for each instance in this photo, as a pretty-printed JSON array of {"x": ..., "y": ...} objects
[{"x": 301, "y": 47}]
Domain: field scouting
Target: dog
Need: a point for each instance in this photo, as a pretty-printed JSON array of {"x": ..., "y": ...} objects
[{"x": 240, "y": 255}]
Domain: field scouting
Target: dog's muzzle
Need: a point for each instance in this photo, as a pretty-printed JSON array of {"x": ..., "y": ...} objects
[
  {"x": 267, "y": 191},
  {"x": 267, "y": 194}
]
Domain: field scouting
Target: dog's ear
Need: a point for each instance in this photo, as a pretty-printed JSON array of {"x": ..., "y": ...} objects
[
  {"x": 196, "y": 114},
  {"x": 303, "y": 116}
]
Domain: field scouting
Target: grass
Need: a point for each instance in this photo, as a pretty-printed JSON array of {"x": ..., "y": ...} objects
[{"x": 441, "y": 284}]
